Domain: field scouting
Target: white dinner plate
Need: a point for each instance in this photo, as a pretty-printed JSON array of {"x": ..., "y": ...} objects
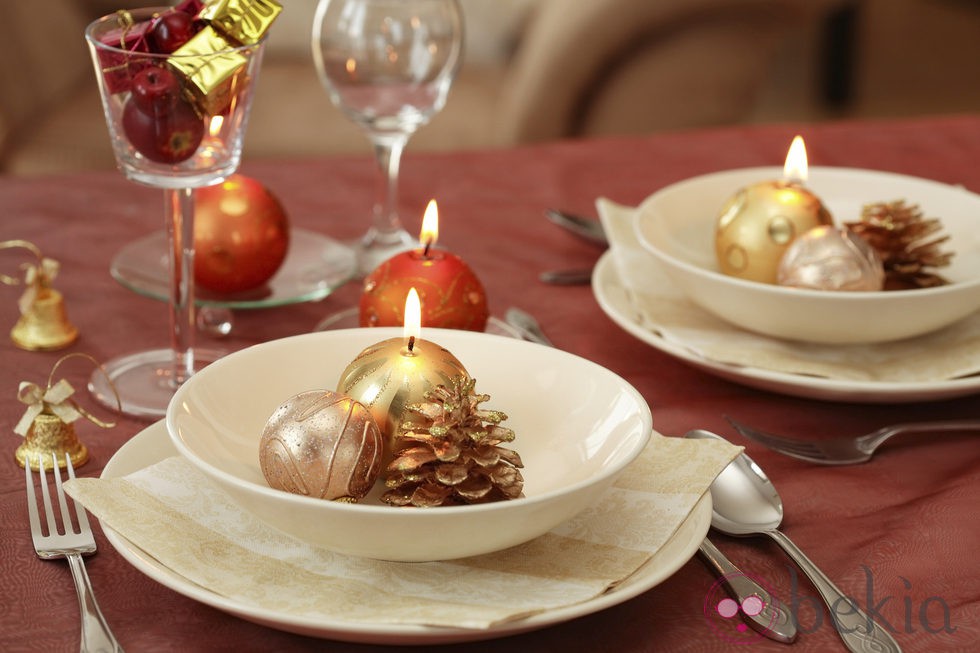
[
  {"x": 611, "y": 294},
  {"x": 153, "y": 445}
]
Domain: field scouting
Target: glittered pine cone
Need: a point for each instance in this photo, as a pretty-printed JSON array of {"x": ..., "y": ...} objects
[
  {"x": 451, "y": 453},
  {"x": 900, "y": 235}
]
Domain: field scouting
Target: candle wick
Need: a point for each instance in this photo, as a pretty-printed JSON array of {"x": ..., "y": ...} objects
[
  {"x": 411, "y": 343},
  {"x": 428, "y": 244}
]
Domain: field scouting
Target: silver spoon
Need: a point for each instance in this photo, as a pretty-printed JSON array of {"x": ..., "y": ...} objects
[{"x": 746, "y": 503}]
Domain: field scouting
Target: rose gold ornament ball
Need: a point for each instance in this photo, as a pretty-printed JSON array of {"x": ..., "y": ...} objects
[
  {"x": 321, "y": 444},
  {"x": 758, "y": 223},
  {"x": 828, "y": 258}
]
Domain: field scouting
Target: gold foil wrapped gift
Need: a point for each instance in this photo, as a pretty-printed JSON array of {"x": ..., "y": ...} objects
[
  {"x": 118, "y": 65},
  {"x": 46, "y": 424},
  {"x": 243, "y": 21},
  {"x": 211, "y": 69}
]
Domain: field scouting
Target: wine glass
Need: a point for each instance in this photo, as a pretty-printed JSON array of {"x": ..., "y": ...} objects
[
  {"x": 176, "y": 122},
  {"x": 388, "y": 65}
]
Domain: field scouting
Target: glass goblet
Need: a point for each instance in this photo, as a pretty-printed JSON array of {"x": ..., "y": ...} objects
[
  {"x": 388, "y": 66},
  {"x": 176, "y": 122}
]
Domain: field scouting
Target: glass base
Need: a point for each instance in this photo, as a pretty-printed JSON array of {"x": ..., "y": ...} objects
[
  {"x": 375, "y": 248},
  {"x": 315, "y": 266},
  {"x": 142, "y": 381}
]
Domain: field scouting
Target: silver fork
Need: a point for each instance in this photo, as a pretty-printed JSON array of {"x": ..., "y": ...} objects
[
  {"x": 847, "y": 450},
  {"x": 70, "y": 544}
]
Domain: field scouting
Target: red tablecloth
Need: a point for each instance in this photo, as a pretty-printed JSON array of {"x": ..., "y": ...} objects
[{"x": 898, "y": 534}]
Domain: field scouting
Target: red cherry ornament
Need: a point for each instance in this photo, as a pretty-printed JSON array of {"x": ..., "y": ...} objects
[
  {"x": 172, "y": 30},
  {"x": 192, "y": 7},
  {"x": 452, "y": 296},
  {"x": 241, "y": 235}
]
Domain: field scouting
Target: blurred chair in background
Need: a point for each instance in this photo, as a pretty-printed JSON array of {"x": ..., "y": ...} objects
[{"x": 537, "y": 70}]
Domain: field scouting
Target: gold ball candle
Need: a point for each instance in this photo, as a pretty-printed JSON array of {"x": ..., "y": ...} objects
[
  {"x": 393, "y": 374},
  {"x": 758, "y": 222},
  {"x": 451, "y": 294}
]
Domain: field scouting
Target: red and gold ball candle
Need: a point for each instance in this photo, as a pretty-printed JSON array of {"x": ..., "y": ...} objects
[
  {"x": 391, "y": 375},
  {"x": 759, "y": 222},
  {"x": 451, "y": 294}
]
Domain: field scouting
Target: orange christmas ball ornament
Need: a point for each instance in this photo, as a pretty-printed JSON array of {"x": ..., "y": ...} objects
[
  {"x": 452, "y": 296},
  {"x": 241, "y": 235}
]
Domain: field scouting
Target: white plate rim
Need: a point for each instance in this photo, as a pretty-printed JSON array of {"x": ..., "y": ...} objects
[
  {"x": 605, "y": 281},
  {"x": 153, "y": 444}
]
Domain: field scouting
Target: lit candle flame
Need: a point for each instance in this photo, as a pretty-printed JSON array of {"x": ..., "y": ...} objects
[
  {"x": 796, "y": 169},
  {"x": 413, "y": 317},
  {"x": 429, "y": 233},
  {"x": 214, "y": 128}
]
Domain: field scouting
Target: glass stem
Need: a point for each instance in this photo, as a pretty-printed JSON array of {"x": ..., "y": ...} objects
[
  {"x": 388, "y": 155},
  {"x": 180, "y": 237}
]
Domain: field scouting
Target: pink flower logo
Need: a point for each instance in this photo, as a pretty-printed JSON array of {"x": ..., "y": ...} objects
[{"x": 723, "y": 613}]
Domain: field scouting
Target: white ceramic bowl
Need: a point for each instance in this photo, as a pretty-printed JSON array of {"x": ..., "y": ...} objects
[
  {"x": 677, "y": 225},
  {"x": 577, "y": 424}
]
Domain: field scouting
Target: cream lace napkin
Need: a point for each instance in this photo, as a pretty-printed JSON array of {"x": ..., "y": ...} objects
[
  {"x": 947, "y": 354},
  {"x": 172, "y": 512}
]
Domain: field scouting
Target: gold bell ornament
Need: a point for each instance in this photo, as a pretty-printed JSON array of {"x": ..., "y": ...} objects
[
  {"x": 43, "y": 323},
  {"x": 46, "y": 425}
]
